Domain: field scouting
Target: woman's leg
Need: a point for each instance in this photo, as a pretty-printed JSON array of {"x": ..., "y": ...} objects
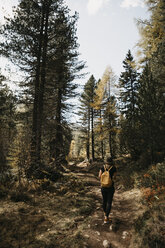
[
  {"x": 110, "y": 194},
  {"x": 104, "y": 195}
]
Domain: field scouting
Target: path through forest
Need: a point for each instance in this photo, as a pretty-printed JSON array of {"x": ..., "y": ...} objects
[
  {"x": 68, "y": 214},
  {"x": 125, "y": 209}
]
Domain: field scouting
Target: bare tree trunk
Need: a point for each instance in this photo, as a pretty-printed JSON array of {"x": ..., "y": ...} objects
[
  {"x": 88, "y": 137},
  {"x": 110, "y": 137},
  {"x": 58, "y": 146},
  {"x": 102, "y": 143},
  {"x": 43, "y": 80},
  {"x": 35, "y": 159},
  {"x": 2, "y": 154},
  {"x": 110, "y": 144},
  {"x": 92, "y": 127}
]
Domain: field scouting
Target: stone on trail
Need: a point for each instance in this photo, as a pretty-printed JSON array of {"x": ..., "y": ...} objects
[
  {"x": 125, "y": 234},
  {"x": 106, "y": 244},
  {"x": 111, "y": 227}
]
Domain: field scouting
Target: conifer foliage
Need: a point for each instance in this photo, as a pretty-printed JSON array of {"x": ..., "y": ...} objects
[
  {"x": 87, "y": 112},
  {"x": 151, "y": 116},
  {"x": 41, "y": 40},
  {"x": 7, "y": 122},
  {"x": 99, "y": 115},
  {"x": 128, "y": 82}
]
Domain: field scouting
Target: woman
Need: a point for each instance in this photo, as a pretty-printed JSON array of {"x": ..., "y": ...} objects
[{"x": 108, "y": 192}]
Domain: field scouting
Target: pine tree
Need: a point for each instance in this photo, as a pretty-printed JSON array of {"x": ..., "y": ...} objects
[
  {"x": 152, "y": 48},
  {"x": 152, "y": 42},
  {"x": 128, "y": 82},
  {"x": 64, "y": 67},
  {"x": 7, "y": 122},
  {"x": 87, "y": 99},
  {"x": 110, "y": 124},
  {"x": 105, "y": 104},
  {"x": 99, "y": 109},
  {"x": 151, "y": 117},
  {"x": 41, "y": 40}
]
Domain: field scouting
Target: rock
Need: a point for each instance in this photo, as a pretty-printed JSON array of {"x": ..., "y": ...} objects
[
  {"x": 106, "y": 244},
  {"x": 98, "y": 233},
  {"x": 111, "y": 227},
  {"x": 85, "y": 245},
  {"x": 125, "y": 235},
  {"x": 86, "y": 236},
  {"x": 80, "y": 218}
]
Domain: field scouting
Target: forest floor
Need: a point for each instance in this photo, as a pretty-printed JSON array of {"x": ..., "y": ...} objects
[{"x": 68, "y": 214}]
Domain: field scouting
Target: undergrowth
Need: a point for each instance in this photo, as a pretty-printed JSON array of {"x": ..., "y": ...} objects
[{"x": 150, "y": 227}]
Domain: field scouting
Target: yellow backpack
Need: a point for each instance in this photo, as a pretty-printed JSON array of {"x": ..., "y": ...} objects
[{"x": 106, "y": 180}]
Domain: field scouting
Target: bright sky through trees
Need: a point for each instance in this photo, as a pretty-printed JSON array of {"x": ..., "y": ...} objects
[{"x": 106, "y": 31}]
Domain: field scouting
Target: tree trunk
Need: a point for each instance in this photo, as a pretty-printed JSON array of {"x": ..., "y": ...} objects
[
  {"x": 57, "y": 142},
  {"x": 43, "y": 81},
  {"x": 92, "y": 127},
  {"x": 88, "y": 137},
  {"x": 110, "y": 137},
  {"x": 35, "y": 157},
  {"x": 102, "y": 143},
  {"x": 110, "y": 144},
  {"x": 2, "y": 154}
]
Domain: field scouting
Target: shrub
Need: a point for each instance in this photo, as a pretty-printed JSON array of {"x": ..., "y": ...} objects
[{"x": 153, "y": 183}]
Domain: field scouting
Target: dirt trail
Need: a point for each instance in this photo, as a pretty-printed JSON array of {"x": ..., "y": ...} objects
[
  {"x": 68, "y": 214},
  {"x": 125, "y": 209}
]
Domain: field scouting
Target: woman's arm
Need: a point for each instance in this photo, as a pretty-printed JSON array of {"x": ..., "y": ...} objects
[{"x": 100, "y": 173}]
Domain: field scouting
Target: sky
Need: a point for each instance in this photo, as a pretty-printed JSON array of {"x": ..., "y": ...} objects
[{"x": 106, "y": 29}]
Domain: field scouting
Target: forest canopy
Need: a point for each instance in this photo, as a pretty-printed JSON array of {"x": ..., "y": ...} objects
[{"x": 117, "y": 116}]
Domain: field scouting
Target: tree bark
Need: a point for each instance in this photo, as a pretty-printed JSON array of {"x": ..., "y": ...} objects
[
  {"x": 58, "y": 136},
  {"x": 88, "y": 137},
  {"x": 92, "y": 127},
  {"x": 35, "y": 158},
  {"x": 43, "y": 80},
  {"x": 102, "y": 144}
]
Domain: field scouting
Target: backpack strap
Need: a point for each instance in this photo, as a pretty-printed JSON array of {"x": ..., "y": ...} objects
[
  {"x": 107, "y": 169},
  {"x": 109, "y": 172},
  {"x": 110, "y": 168}
]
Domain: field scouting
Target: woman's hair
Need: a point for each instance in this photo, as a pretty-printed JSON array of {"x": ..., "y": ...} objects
[{"x": 109, "y": 160}]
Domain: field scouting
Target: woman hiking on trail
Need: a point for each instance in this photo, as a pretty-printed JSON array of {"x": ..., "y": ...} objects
[{"x": 107, "y": 174}]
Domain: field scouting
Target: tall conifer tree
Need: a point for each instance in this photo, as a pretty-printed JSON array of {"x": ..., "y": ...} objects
[
  {"x": 7, "y": 122},
  {"x": 87, "y": 99},
  {"x": 41, "y": 40},
  {"x": 151, "y": 117},
  {"x": 128, "y": 95}
]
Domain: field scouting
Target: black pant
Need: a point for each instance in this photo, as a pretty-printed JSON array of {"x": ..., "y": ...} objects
[{"x": 107, "y": 194}]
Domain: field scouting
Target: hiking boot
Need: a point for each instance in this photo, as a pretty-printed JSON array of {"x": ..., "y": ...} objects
[
  {"x": 106, "y": 220},
  {"x": 109, "y": 219}
]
